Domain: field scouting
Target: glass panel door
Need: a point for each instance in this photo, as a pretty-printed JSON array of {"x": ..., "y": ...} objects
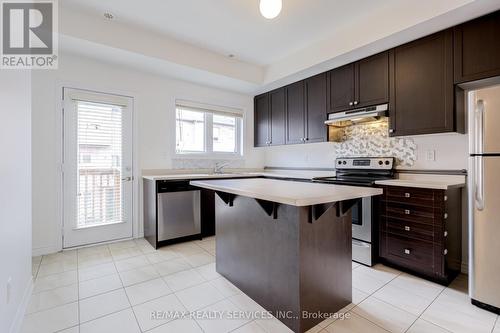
[{"x": 97, "y": 167}]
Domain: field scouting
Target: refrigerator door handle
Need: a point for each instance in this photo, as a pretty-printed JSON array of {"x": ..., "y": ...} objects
[
  {"x": 479, "y": 127},
  {"x": 479, "y": 186}
]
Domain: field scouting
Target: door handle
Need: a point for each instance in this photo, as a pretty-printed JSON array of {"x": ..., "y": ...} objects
[
  {"x": 127, "y": 179},
  {"x": 479, "y": 124},
  {"x": 479, "y": 186}
]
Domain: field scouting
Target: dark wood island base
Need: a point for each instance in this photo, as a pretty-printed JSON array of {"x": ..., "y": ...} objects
[{"x": 294, "y": 261}]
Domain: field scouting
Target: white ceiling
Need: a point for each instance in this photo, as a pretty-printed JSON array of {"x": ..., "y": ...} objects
[
  {"x": 236, "y": 26},
  {"x": 190, "y": 39}
]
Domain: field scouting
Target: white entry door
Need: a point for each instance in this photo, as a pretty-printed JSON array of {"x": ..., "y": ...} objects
[{"x": 97, "y": 167}]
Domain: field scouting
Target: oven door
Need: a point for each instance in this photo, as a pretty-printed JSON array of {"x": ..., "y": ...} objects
[{"x": 362, "y": 220}]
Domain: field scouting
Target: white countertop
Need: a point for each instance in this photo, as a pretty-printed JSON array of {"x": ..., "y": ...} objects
[
  {"x": 287, "y": 192},
  {"x": 437, "y": 182},
  {"x": 189, "y": 176},
  {"x": 296, "y": 174}
]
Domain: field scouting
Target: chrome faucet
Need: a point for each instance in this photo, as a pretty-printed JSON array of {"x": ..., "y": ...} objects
[{"x": 219, "y": 166}]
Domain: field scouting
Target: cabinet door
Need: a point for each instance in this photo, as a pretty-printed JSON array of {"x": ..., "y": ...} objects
[
  {"x": 423, "y": 86},
  {"x": 261, "y": 120},
  {"x": 372, "y": 80},
  {"x": 277, "y": 103},
  {"x": 316, "y": 130},
  {"x": 341, "y": 90},
  {"x": 477, "y": 48},
  {"x": 295, "y": 107}
]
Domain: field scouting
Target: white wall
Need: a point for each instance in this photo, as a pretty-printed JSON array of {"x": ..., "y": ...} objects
[
  {"x": 450, "y": 152},
  {"x": 154, "y": 108},
  {"x": 15, "y": 197}
]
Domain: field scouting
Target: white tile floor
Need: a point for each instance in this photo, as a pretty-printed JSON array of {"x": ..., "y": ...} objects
[{"x": 114, "y": 288}]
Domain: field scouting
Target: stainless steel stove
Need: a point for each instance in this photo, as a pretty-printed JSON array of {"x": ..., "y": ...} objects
[{"x": 362, "y": 171}]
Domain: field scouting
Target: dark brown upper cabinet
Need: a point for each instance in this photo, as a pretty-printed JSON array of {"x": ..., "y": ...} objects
[
  {"x": 477, "y": 48},
  {"x": 278, "y": 116},
  {"x": 261, "y": 120},
  {"x": 341, "y": 88},
  {"x": 422, "y": 83},
  {"x": 316, "y": 110},
  {"x": 295, "y": 113},
  {"x": 359, "y": 84},
  {"x": 269, "y": 118},
  {"x": 372, "y": 80}
]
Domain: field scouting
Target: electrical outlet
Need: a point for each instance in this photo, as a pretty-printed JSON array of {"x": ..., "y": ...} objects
[
  {"x": 9, "y": 288},
  {"x": 430, "y": 155}
]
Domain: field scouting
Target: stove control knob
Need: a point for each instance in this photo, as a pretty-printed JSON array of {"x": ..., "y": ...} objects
[
  {"x": 340, "y": 162},
  {"x": 344, "y": 163},
  {"x": 387, "y": 162},
  {"x": 380, "y": 162}
]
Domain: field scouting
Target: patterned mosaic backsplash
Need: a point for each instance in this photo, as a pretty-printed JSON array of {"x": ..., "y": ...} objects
[{"x": 372, "y": 139}]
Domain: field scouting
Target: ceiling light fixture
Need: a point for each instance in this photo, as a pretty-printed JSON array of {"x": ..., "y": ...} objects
[
  {"x": 108, "y": 16},
  {"x": 270, "y": 8}
]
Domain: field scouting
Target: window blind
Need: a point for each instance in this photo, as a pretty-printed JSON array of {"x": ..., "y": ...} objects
[{"x": 99, "y": 160}]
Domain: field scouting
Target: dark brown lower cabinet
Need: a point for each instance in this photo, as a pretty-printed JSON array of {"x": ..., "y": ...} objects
[{"x": 421, "y": 231}]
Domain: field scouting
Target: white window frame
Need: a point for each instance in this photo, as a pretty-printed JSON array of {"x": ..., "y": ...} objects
[{"x": 210, "y": 110}]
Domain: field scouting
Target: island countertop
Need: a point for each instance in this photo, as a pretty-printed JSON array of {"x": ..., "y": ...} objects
[{"x": 287, "y": 192}]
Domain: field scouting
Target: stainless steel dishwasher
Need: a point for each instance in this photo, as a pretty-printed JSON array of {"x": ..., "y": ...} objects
[{"x": 178, "y": 210}]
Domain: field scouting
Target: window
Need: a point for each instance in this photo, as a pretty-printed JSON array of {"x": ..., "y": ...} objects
[{"x": 208, "y": 130}]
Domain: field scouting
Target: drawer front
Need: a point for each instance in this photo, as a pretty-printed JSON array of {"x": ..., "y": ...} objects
[
  {"x": 414, "y": 254},
  {"x": 413, "y": 196},
  {"x": 412, "y": 213},
  {"x": 411, "y": 230}
]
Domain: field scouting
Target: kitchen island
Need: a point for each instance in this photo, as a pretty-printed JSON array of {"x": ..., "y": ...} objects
[{"x": 287, "y": 244}]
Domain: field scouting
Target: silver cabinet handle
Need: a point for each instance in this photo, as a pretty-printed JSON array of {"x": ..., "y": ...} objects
[
  {"x": 407, "y": 195},
  {"x": 351, "y": 103},
  {"x": 407, "y": 251},
  {"x": 407, "y": 228},
  {"x": 356, "y": 102},
  {"x": 407, "y": 212},
  {"x": 446, "y": 234},
  {"x": 445, "y": 198},
  {"x": 445, "y": 252},
  {"x": 391, "y": 130},
  {"x": 127, "y": 179},
  {"x": 445, "y": 216}
]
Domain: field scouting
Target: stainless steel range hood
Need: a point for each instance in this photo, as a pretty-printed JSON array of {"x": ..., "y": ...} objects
[{"x": 362, "y": 115}]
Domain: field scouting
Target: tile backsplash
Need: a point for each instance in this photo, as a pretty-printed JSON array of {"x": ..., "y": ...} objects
[{"x": 372, "y": 139}]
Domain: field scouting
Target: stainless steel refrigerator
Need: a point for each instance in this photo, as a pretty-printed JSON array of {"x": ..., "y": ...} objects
[{"x": 484, "y": 197}]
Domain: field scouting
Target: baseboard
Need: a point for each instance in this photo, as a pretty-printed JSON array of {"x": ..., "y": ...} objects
[
  {"x": 40, "y": 251},
  {"x": 21, "y": 310}
]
